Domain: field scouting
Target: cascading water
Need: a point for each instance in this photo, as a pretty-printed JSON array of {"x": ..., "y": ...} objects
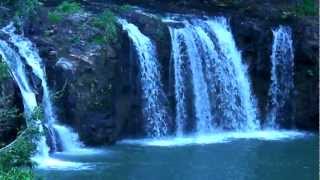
[
  {"x": 200, "y": 89},
  {"x": 17, "y": 69},
  {"x": 222, "y": 92},
  {"x": 240, "y": 104},
  {"x": 282, "y": 72},
  {"x": 32, "y": 58},
  {"x": 180, "y": 90},
  {"x": 68, "y": 139},
  {"x": 154, "y": 111}
]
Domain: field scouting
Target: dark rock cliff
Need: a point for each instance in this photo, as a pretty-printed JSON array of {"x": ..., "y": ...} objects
[{"x": 96, "y": 85}]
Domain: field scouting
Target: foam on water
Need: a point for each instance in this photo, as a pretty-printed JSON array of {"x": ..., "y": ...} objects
[
  {"x": 57, "y": 164},
  {"x": 218, "y": 137},
  {"x": 76, "y": 147}
]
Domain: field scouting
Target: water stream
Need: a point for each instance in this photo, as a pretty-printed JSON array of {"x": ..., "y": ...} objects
[
  {"x": 282, "y": 73},
  {"x": 153, "y": 97}
]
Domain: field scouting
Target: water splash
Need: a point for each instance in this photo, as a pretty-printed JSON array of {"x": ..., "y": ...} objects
[{"x": 218, "y": 137}]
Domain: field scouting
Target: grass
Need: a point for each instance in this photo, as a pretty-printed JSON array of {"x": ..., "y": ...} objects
[
  {"x": 64, "y": 9},
  {"x": 106, "y": 21}
]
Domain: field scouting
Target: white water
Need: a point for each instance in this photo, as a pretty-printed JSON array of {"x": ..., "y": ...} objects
[
  {"x": 200, "y": 89},
  {"x": 26, "y": 49},
  {"x": 56, "y": 164},
  {"x": 30, "y": 54},
  {"x": 76, "y": 147},
  {"x": 218, "y": 137},
  {"x": 180, "y": 90},
  {"x": 154, "y": 110},
  {"x": 241, "y": 83},
  {"x": 222, "y": 90},
  {"x": 282, "y": 72},
  {"x": 17, "y": 69}
]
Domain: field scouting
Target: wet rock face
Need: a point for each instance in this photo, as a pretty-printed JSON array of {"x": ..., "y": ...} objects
[
  {"x": 10, "y": 122},
  {"x": 306, "y": 100},
  {"x": 254, "y": 38},
  {"x": 96, "y": 87},
  {"x": 83, "y": 75}
]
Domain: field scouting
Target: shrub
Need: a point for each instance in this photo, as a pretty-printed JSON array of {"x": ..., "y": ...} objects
[
  {"x": 307, "y": 8},
  {"x": 3, "y": 71},
  {"x": 107, "y": 22},
  {"x": 54, "y": 17},
  {"x": 26, "y": 8},
  {"x": 18, "y": 155},
  {"x": 17, "y": 174},
  {"x": 69, "y": 7},
  {"x": 64, "y": 9}
]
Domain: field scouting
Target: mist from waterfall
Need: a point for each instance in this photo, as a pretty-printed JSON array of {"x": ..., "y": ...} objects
[
  {"x": 222, "y": 92},
  {"x": 154, "y": 111},
  {"x": 282, "y": 75}
]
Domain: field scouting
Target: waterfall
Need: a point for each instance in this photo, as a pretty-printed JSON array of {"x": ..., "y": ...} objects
[
  {"x": 200, "y": 89},
  {"x": 17, "y": 69},
  {"x": 282, "y": 72},
  {"x": 235, "y": 95},
  {"x": 69, "y": 140},
  {"x": 180, "y": 89},
  {"x": 154, "y": 111},
  {"x": 30, "y": 53},
  {"x": 221, "y": 87}
]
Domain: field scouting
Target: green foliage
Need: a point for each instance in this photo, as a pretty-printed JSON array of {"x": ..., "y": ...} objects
[
  {"x": 64, "y": 9},
  {"x": 3, "y": 71},
  {"x": 107, "y": 23},
  {"x": 23, "y": 9},
  {"x": 27, "y": 7},
  {"x": 15, "y": 159},
  {"x": 20, "y": 152},
  {"x": 69, "y": 7},
  {"x": 17, "y": 174},
  {"x": 54, "y": 17},
  {"x": 307, "y": 8},
  {"x": 37, "y": 114},
  {"x": 99, "y": 39}
]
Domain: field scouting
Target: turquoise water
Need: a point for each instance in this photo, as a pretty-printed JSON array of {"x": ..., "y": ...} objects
[{"x": 212, "y": 158}]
